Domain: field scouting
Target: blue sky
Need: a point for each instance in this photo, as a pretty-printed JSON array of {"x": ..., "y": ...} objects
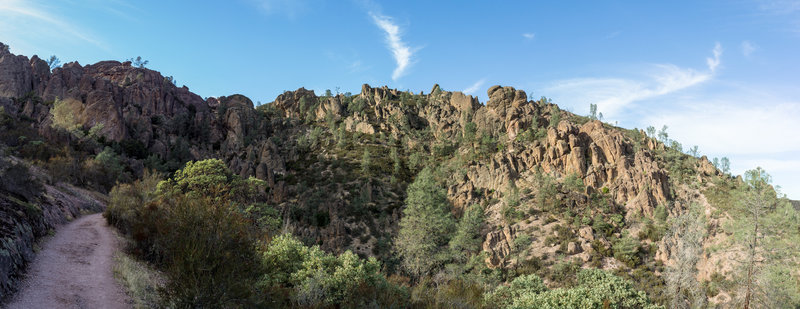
[{"x": 723, "y": 75}]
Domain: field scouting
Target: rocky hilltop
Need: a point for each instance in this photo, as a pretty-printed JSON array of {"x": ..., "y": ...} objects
[{"x": 555, "y": 187}]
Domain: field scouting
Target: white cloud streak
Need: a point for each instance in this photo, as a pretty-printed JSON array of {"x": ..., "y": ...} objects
[
  {"x": 474, "y": 87},
  {"x": 713, "y": 63},
  {"x": 612, "y": 95},
  {"x": 401, "y": 52},
  {"x": 26, "y": 13},
  {"x": 529, "y": 36},
  {"x": 741, "y": 126}
]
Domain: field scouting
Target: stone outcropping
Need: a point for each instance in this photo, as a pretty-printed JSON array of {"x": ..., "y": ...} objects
[{"x": 516, "y": 137}]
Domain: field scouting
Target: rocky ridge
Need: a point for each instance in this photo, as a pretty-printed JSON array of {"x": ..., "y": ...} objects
[{"x": 303, "y": 143}]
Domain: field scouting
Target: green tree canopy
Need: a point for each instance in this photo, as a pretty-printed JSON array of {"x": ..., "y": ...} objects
[{"x": 426, "y": 225}]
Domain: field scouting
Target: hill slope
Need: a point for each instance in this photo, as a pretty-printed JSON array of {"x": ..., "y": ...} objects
[{"x": 558, "y": 191}]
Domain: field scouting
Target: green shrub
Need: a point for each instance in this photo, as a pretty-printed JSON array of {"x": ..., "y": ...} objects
[
  {"x": 318, "y": 279},
  {"x": 595, "y": 289},
  {"x": 626, "y": 250},
  {"x": 505, "y": 295},
  {"x": 207, "y": 250},
  {"x": 127, "y": 202}
]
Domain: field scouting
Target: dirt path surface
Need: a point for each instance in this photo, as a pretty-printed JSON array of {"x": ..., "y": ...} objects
[{"x": 73, "y": 269}]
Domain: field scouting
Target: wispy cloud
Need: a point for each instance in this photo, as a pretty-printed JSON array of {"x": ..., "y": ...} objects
[
  {"x": 401, "y": 52},
  {"x": 613, "y": 94},
  {"x": 15, "y": 13},
  {"x": 474, "y": 87},
  {"x": 291, "y": 8},
  {"x": 748, "y": 48},
  {"x": 529, "y": 35},
  {"x": 713, "y": 63},
  {"x": 737, "y": 122}
]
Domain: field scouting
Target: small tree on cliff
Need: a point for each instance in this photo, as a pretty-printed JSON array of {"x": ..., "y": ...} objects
[
  {"x": 685, "y": 242},
  {"x": 426, "y": 225},
  {"x": 766, "y": 228}
]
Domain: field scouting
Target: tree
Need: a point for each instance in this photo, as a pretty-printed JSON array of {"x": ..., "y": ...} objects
[
  {"x": 694, "y": 151},
  {"x": 139, "y": 62},
  {"x": 555, "y": 116},
  {"x": 685, "y": 244},
  {"x": 651, "y": 131},
  {"x": 593, "y": 111},
  {"x": 725, "y": 165},
  {"x": 64, "y": 114},
  {"x": 53, "y": 62},
  {"x": 467, "y": 239},
  {"x": 663, "y": 136},
  {"x": 767, "y": 228},
  {"x": 366, "y": 163},
  {"x": 426, "y": 225}
]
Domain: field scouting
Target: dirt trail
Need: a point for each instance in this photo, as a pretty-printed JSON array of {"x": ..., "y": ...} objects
[{"x": 73, "y": 269}]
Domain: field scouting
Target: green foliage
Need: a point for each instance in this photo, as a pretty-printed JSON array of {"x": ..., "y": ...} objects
[
  {"x": 194, "y": 227},
  {"x": 211, "y": 178},
  {"x": 592, "y": 111},
  {"x": 555, "y": 116},
  {"x": 768, "y": 228},
  {"x": 504, "y": 296},
  {"x": 600, "y": 226},
  {"x": 53, "y": 62},
  {"x": 470, "y": 132},
  {"x": 426, "y": 225},
  {"x": 532, "y": 134},
  {"x": 546, "y": 198},
  {"x": 574, "y": 183},
  {"x": 127, "y": 202},
  {"x": 663, "y": 136},
  {"x": 626, "y": 250},
  {"x": 366, "y": 163},
  {"x": 595, "y": 289},
  {"x": 318, "y": 279},
  {"x": 467, "y": 238},
  {"x": 64, "y": 113},
  {"x": 357, "y": 106},
  {"x": 110, "y": 163},
  {"x": 139, "y": 62},
  {"x": 660, "y": 213},
  {"x": 207, "y": 249},
  {"x": 510, "y": 210}
]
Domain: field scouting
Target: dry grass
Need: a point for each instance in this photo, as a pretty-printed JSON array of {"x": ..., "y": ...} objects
[{"x": 141, "y": 281}]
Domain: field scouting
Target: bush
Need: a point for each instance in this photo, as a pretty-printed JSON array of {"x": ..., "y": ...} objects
[
  {"x": 207, "y": 248},
  {"x": 127, "y": 201},
  {"x": 595, "y": 289},
  {"x": 505, "y": 295},
  {"x": 64, "y": 113},
  {"x": 318, "y": 279},
  {"x": 626, "y": 250}
]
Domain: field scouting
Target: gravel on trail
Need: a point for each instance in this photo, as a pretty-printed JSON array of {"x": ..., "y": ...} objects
[{"x": 74, "y": 269}]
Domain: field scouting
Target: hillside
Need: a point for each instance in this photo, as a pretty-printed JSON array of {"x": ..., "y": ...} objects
[{"x": 556, "y": 191}]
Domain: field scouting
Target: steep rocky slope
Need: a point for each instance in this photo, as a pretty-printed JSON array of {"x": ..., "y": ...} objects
[
  {"x": 30, "y": 208},
  {"x": 555, "y": 187}
]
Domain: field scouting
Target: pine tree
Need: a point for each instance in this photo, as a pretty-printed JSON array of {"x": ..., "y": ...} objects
[{"x": 426, "y": 225}]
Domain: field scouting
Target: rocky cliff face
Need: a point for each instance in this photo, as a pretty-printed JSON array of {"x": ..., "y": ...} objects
[{"x": 337, "y": 166}]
